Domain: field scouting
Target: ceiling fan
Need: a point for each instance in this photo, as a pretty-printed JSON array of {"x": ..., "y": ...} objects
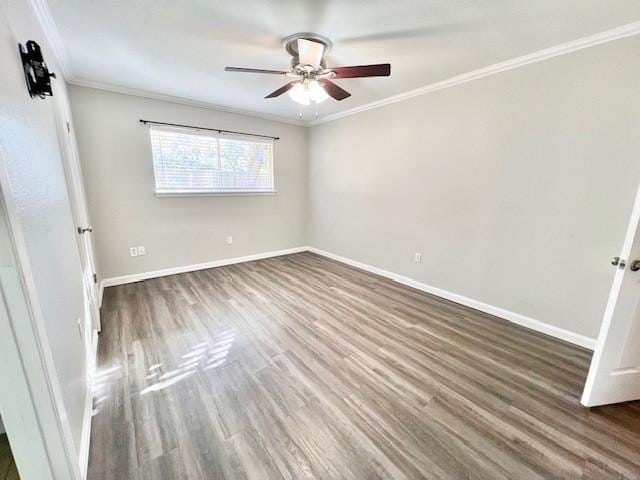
[{"x": 312, "y": 79}]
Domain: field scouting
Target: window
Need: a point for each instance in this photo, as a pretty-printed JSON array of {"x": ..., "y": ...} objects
[{"x": 202, "y": 162}]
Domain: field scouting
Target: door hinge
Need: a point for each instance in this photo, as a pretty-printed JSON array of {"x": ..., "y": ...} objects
[
  {"x": 68, "y": 127},
  {"x": 619, "y": 262},
  {"x": 95, "y": 278}
]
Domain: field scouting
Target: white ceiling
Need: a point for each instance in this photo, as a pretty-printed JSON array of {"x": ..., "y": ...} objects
[{"x": 180, "y": 48}]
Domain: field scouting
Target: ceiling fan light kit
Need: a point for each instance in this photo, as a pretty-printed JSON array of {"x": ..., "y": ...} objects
[
  {"x": 311, "y": 82},
  {"x": 308, "y": 91}
]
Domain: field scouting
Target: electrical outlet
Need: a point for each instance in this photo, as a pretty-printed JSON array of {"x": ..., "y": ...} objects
[
  {"x": 142, "y": 250},
  {"x": 133, "y": 251},
  {"x": 418, "y": 257},
  {"x": 229, "y": 240}
]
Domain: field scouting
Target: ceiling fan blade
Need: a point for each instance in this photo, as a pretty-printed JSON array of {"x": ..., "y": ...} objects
[
  {"x": 378, "y": 70},
  {"x": 310, "y": 53},
  {"x": 420, "y": 32},
  {"x": 254, "y": 70},
  {"x": 334, "y": 90},
  {"x": 285, "y": 88}
]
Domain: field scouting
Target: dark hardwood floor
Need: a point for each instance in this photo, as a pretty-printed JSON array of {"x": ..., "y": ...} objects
[
  {"x": 8, "y": 469},
  {"x": 300, "y": 367}
]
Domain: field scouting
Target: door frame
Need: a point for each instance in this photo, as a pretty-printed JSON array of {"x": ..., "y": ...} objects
[
  {"x": 77, "y": 199},
  {"x": 33, "y": 411},
  {"x": 84, "y": 243}
]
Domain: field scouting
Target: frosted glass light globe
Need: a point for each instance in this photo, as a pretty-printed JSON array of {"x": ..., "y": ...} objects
[
  {"x": 300, "y": 94},
  {"x": 317, "y": 94}
]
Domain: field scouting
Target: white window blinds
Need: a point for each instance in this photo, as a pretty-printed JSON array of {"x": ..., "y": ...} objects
[{"x": 195, "y": 161}]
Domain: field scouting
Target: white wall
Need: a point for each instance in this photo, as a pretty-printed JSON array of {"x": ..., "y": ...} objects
[
  {"x": 28, "y": 137},
  {"x": 178, "y": 231},
  {"x": 516, "y": 188}
]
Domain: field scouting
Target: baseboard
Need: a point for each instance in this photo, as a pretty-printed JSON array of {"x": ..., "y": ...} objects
[
  {"x": 523, "y": 320},
  {"x": 528, "y": 322},
  {"x": 137, "y": 277},
  {"x": 83, "y": 454},
  {"x": 100, "y": 294}
]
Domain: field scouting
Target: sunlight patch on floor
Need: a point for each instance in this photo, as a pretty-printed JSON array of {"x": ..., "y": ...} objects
[{"x": 203, "y": 356}]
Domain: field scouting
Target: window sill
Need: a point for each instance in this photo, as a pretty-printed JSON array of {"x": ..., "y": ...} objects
[{"x": 213, "y": 194}]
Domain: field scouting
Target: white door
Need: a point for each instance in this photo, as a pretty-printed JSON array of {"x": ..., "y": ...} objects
[
  {"x": 80, "y": 213},
  {"x": 614, "y": 375}
]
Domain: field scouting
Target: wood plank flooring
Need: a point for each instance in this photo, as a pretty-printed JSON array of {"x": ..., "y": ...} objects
[
  {"x": 299, "y": 367},
  {"x": 8, "y": 470}
]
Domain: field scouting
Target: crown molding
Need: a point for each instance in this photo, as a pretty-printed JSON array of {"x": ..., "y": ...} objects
[
  {"x": 564, "y": 48},
  {"x": 182, "y": 101},
  {"x": 52, "y": 34}
]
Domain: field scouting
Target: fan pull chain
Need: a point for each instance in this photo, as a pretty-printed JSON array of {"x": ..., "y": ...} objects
[{"x": 300, "y": 110}]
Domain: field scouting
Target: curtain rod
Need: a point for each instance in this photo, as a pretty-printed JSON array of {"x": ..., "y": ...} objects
[{"x": 209, "y": 129}]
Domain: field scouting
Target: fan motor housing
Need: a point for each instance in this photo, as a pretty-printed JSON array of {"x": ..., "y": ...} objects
[{"x": 290, "y": 44}]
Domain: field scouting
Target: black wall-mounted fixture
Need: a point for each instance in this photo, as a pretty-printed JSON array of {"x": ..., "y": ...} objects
[{"x": 36, "y": 72}]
